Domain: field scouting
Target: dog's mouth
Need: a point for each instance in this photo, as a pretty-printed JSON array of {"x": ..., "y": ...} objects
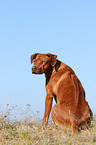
[
  {"x": 34, "y": 72},
  {"x": 37, "y": 72}
]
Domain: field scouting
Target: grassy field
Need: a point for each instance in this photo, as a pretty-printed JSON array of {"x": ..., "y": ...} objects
[{"x": 27, "y": 131}]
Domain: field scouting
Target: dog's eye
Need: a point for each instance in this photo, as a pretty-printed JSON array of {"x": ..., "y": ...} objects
[{"x": 43, "y": 61}]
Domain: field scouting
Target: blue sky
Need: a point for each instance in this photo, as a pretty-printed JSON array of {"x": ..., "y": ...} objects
[{"x": 64, "y": 28}]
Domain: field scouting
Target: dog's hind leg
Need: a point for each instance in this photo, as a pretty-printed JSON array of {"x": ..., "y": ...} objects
[{"x": 64, "y": 117}]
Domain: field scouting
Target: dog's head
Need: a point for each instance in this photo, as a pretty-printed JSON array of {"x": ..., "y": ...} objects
[{"x": 43, "y": 62}]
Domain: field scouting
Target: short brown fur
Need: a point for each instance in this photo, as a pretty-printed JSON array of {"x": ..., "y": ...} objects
[{"x": 71, "y": 108}]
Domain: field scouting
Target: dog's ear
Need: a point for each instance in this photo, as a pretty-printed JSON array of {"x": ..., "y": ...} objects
[
  {"x": 33, "y": 57},
  {"x": 53, "y": 59}
]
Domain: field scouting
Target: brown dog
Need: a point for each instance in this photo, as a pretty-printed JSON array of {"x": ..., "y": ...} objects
[{"x": 71, "y": 108}]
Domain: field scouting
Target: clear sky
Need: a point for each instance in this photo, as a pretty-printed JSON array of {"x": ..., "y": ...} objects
[{"x": 65, "y": 28}]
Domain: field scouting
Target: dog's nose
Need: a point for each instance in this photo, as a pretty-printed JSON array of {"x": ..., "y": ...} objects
[{"x": 34, "y": 68}]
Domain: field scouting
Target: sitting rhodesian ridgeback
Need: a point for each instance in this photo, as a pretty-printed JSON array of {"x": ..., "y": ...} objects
[{"x": 71, "y": 108}]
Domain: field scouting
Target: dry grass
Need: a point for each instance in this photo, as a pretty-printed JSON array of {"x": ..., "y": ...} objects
[{"x": 25, "y": 132}]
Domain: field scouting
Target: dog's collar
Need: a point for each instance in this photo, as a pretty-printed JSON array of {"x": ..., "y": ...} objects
[
  {"x": 57, "y": 65},
  {"x": 55, "y": 69}
]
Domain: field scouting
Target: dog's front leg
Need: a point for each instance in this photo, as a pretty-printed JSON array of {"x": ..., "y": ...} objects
[{"x": 48, "y": 105}]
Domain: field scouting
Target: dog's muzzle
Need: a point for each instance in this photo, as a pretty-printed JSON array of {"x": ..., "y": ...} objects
[{"x": 36, "y": 70}]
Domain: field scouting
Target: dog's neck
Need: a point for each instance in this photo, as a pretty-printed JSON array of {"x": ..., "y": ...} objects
[{"x": 52, "y": 71}]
